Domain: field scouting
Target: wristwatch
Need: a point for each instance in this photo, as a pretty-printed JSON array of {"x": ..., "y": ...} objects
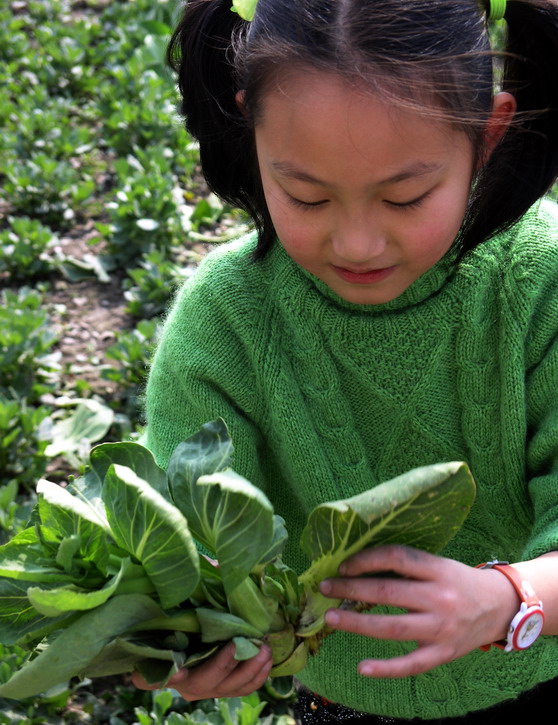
[{"x": 527, "y": 624}]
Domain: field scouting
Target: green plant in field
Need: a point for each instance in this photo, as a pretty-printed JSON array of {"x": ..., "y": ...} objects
[
  {"x": 28, "y": 367},
  {"x": 47, "y": 708},
  {"x": 22, "y": 451},
  {"x": 24, "y": 249},
  {"x": 132, "y": 351},
  {"x": 50, "y": 128},
  {"x": 228, "y": 711},
  {"x": 129, "y": 124},
  {"x": 45, "y": 188},
  {"x": 71, "y": 435},
  {"x": 144, "y": 214},
  {"x": 153, "y": 284}
]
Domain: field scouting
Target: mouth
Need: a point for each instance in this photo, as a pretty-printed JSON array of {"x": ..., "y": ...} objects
[{"x": 368, "y": 276}]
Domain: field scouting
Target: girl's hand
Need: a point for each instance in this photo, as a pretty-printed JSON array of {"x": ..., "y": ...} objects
[
  {"x": 220, "y": 676},
  {"x": 451, "y": 608}
]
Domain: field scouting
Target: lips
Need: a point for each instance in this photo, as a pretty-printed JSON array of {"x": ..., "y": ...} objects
[{"x": 370, "y": 276}]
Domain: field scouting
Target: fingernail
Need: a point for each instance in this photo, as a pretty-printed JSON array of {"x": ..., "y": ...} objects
[
  {"x": 325, "y": 586},
  {"x": 342, "y": 568},
  {"x": 332, "y": 617},
  {"x": 180, "y": 676},
  {"x": 366, "y": 668},
  {"x": 263, "y": 654}
]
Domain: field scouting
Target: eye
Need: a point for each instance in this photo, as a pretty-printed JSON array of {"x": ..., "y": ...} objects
[
  {"x": 305, "y": 204},
  {"x": 413, "y": 204}
]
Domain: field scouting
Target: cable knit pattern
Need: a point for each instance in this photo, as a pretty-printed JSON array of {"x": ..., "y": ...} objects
[{"x": 326, "y": 398}]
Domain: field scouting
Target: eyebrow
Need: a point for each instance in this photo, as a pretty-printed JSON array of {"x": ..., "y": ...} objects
[{"x": 420, "y": 168}]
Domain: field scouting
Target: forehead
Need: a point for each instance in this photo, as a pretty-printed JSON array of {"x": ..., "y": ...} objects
[{"x": 323, "y": 122}]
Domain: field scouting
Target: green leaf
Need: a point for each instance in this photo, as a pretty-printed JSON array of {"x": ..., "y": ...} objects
[
  {"x": 148, "y": 225},
  {"x": 231, "y": 517},
  {"x": 88, "y": 489},
  {"x": 278, "y": 541},
  {"x": 247, "y": 601},
  {"x": 18, "y": 617},
  {"x": 90, "y": 265},
  {"x": 122, "y": 655},
  {"x": 138, "y": 458},
  {"x": 78, "y": 645},
  {"x": 155, "y": 672},
  {"x": 68, "y": 516},
  {"x": 25, "y": 558},
  {"x": 424, "y": 508},
  {"x": 155, "y": 532},
  {"x": 69, "y": 547},
  {"x": 228, "y": 515},
  {"x": 156, "y": 27},
  {"x": 89, "y": 422},
  {"x": 207, "y": 451},
  {"x": 244, "y": 649},
  {"x": 53, "y": 602},
  {"x": 222, "y": 626}
]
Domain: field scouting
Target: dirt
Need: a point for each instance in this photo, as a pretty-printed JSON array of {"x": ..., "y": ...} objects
[{"x": 86, "y": 315}]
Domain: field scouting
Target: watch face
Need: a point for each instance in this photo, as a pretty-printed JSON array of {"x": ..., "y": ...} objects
[{"x": 528, "y": 628}]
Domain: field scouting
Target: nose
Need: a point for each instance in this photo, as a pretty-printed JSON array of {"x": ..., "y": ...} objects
[{"x": 359, "y": 240}]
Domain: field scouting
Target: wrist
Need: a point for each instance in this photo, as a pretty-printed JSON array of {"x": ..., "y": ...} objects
[
  {"x": 526, "y": 625},
  {"x": 505, "y": 604}
]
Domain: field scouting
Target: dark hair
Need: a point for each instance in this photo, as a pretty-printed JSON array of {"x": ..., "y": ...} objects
[{"x": 432, "y": 55}]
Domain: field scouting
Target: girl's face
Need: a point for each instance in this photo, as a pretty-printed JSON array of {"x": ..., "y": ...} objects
[{"x": 365, "y": 197}]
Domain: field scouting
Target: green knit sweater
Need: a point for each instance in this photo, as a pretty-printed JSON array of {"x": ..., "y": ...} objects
[{"x": 326, "y": 398}]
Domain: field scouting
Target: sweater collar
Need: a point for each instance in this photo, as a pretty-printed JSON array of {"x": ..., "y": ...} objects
[{"x": 426, "y": 286}]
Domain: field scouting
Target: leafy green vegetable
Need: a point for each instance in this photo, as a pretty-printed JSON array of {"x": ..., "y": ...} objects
[
  {"x": 71, "y": 652},
  {"x": 155, "y": 532},
  {"x": 107, "y": 577}
]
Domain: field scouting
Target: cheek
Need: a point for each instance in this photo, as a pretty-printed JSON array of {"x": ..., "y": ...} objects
[
  {"x": 440, "y": 228},
  {"x": 297, "y": 232},
  {"x": 433, "y": 240}
]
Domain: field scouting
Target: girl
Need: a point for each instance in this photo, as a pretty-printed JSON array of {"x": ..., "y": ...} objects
[{"x": 397, "y": 306}]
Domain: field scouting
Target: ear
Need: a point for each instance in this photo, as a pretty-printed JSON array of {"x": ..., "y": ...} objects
[
  {"x": 239, "y": 98},
  {"x": 503, "y": 111}
]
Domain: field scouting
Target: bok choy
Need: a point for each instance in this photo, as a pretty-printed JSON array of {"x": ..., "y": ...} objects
[{"x": 108, "y": 577}]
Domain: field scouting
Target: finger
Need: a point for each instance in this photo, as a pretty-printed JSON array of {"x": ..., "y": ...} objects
[
  {"x": 401, "y": 559},
  {"x": 407, "y": 593},
  {"x": 247, "y": 676},
  {"x": 416, "y": 662},
  {"x": 223, "y": 676},
  {"x": 402, "y": 627},
  {"x": 256, "y": 681},
  {"x": 205, "y": 679},
  {"x": 218, "y": 667},
  {"x": 139, "y": 682}
]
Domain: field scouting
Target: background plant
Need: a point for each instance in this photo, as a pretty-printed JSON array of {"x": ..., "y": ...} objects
[
  {"x": 26, "y": 249},
  {"x": 28, "y": 365}
]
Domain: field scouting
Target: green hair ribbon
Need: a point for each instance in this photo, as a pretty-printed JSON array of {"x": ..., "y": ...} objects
[
  {"x": 497, "y": 9},
  {"x": 245, "y": 8}
]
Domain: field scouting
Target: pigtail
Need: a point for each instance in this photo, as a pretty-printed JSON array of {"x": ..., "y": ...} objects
[
  {"x": 201, "y": 52},
  {"x": 524, "y": 165}
]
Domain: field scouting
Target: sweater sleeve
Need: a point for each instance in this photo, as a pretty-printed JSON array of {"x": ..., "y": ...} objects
[
  {"x": 201, "y": 372},
  {"x": 542, "y": 394}
]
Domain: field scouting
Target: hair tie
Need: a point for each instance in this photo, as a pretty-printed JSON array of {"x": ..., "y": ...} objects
[
  {"x": 246, "y": 8},
  {"x": 497, "y": 9}
]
